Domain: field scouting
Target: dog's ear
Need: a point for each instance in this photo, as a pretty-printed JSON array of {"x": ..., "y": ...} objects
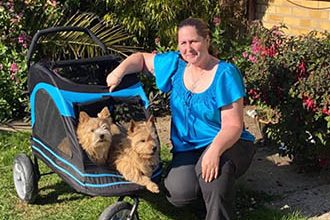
[
  {"x": 104, "y": 113},
  {"x": 83, "y": 117},
  {"x": 132, "y": 126}
]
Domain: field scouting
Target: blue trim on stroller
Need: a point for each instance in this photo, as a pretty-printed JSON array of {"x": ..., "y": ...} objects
[
  {"x": 73, "y": 177},
  {"x": 71, "y": 165},
  {"x": 58, "y": 167},
  {"x": 65, "y": 106}
]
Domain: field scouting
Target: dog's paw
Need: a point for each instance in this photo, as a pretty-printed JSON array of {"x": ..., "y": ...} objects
[{"x": 152, "y": 187}]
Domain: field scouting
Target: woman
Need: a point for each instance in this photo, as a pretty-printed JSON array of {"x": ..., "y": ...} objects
[{"x": 210, "y": 146}]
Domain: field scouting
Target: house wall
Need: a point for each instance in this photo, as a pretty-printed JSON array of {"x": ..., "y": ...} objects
[{"x": 310, "y": 15}]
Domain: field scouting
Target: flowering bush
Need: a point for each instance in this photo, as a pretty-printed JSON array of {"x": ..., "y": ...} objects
[
  {"x": 286, "y": 77},
  {"x": 305, "y": 128},
  {"x": 18, "y": 19}
]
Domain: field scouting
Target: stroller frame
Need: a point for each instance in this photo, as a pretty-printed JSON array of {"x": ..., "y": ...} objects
[{"x": 55, "y": 103}]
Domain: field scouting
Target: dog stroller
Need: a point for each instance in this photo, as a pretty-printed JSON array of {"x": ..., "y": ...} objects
[{"x": 55, "y": 105}]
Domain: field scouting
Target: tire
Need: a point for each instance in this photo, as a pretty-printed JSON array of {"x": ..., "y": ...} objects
[
  {"x": 118, "y": 211},
  {"x": 25, "y": 178}
]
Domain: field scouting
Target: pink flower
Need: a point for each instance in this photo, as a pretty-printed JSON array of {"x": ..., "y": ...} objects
[
  {"x": 254, "y": 94},
  {"x": 309, "y": 103},
  {"x": 326, "y": 111},
  {"x": 271, "y": 51},
  {"x": 245, "y": 54},
  {"x": 263, "y": 51},
  {"x": 302, "y": 69},
  {"x": 21, "y": 38},
  {"x": 252, "y": 58},
  {"x": 256, "y": 45},
  {"x": 216, "y": 21},
  {"x": 13, "y": 68}
]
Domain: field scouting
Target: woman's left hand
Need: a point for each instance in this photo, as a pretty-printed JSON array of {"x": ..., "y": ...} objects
[
  {"x": 113, "y": 80},
  {"x": 210, "y": 164}
]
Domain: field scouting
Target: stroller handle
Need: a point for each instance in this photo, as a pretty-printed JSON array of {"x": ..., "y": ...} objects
[{"x": 40, "y": 33}]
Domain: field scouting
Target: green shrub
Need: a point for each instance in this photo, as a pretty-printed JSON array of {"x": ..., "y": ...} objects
[
  {"x": 17, "y": 20},
  {"x": 289, "y": 77},
  {"x": 305, "y": 130},
  {"x": 150, "y": 19}
]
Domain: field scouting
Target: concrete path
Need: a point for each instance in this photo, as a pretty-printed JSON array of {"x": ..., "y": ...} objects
[{"x": 307, "y": 193}]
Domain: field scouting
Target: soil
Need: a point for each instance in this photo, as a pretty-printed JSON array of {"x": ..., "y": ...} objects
[{"x": 307, "y": 193}]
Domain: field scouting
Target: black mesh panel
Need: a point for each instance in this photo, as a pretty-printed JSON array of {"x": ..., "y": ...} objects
[{"x": 48, "y": 123}]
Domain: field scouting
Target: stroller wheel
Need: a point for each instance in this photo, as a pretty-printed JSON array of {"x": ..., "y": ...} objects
[
  {"x": 25, "y": 178},
  {"x": 119, "y": 211}
]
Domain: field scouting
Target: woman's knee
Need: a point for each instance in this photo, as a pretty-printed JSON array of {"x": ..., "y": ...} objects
[
  {"x": 223, "y": 185},
  {"x": 180, "y": 198},
  {"x": 182, "y": 188},
  {"x": 241, "y": 154}
]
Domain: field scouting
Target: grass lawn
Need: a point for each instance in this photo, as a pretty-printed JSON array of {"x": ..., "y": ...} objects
[{"x": 57, "y": 200}]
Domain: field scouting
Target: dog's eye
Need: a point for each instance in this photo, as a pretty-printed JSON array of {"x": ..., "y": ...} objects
[{"x": 92, "y": 130}]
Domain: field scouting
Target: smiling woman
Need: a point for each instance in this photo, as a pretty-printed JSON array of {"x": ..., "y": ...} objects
[
  {"x": 193, "y": 46},
  {"x": 210, "y": 146}
]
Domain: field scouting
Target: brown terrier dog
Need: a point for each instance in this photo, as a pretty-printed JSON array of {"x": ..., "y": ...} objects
[
  {"x": 137, "y": 154},
  {"x": 94, "y": 135}
]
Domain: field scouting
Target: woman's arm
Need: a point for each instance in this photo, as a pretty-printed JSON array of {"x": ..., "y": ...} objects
[
  {"x": 231, "y": 129},
  {"x": 136, "y": 62}
]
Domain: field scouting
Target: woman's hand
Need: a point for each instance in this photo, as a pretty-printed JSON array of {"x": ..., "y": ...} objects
[
  {"x": 113, "y": 80},
  {"x": 210, "y": 164},
  {"x": 231, "y": 129},
  {"x": 135, "y": 63}
]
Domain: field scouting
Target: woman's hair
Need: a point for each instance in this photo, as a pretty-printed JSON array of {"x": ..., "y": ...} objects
[{"x": 201, "y": 26}]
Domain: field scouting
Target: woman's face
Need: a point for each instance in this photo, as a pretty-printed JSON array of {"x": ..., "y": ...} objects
[{"x": 192, "y": 46}]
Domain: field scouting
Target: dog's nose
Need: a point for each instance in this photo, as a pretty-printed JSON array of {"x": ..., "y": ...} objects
[{"x": 101, "y": 136}]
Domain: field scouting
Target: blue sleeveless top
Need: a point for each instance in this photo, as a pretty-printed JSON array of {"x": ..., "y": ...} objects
[{"x": 196, "y": 117}]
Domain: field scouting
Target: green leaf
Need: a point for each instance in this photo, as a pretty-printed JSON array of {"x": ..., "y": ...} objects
[{"x": 80, "y": 45}]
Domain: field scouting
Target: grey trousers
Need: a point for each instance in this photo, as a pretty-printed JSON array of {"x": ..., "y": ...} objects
[{"x": 184, "y": 184}]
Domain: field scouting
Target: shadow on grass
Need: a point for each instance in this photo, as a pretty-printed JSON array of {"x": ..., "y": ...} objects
[
  {"x": 160, "y": 203},
  {"x": 250, "y": 205},
  {"x": 57, "y": 193}
]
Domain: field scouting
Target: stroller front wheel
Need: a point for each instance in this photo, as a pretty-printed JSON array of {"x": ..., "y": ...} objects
[
  {"x": 119, "y": 211},
  {"x": 25, "y": 179}
]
